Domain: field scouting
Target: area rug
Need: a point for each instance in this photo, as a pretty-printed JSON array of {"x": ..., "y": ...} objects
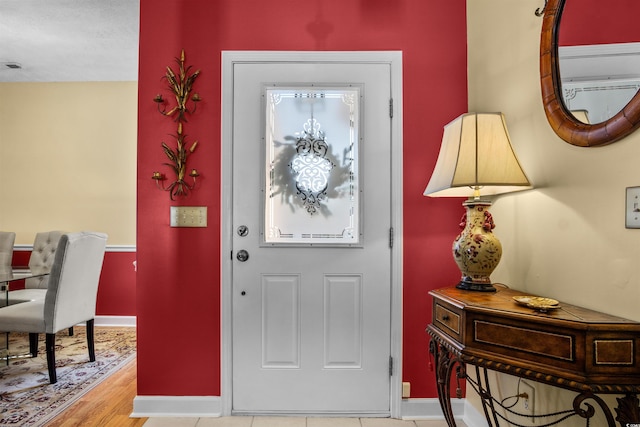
[{"x": 27, "y": 398}]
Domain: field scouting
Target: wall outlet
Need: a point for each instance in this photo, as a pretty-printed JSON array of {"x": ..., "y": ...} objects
[
  {"x": 406, "y": 390},
  {"x": 526, "y": 403},
  {"x": 188, "y": 216}
]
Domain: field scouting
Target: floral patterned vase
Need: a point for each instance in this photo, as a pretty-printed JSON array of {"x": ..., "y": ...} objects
[{"x": 476, "y": 250}]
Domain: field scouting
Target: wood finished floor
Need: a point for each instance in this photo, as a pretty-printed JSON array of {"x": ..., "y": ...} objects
[{"x": 109, "y": 404}]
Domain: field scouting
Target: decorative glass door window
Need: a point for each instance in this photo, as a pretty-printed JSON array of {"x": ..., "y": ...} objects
[{"x": 311, "y": 181}]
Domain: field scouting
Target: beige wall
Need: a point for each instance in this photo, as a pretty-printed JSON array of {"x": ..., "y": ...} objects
[
  {"x": 68, "y": 158},
  {"x": 566, "y": 239}
]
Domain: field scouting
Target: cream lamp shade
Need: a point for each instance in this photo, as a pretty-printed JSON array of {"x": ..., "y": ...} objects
[
  {"x": 476, "y": 157},
  {"x": 476, "y": 154}
]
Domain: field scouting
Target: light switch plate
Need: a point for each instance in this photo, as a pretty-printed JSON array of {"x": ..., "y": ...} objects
[
  {"x": 632, "y": 210},
  {"x": 188, "y": 216}
]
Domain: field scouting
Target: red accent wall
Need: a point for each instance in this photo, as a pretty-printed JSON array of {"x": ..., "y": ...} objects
[
  {"x": 117, "y": 289},
  {"x": 587, "y": 22},
  {"x": 178, "y": 280}
]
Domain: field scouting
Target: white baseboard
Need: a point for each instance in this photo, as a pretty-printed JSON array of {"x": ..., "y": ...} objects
[
  {"x": 177, "y": 406},
  {"x": 429, "y": 409},
  {"x": 211, "y": 406},
  {"x": 115, "y": 321},
  {"x": 473, "y": 418}
]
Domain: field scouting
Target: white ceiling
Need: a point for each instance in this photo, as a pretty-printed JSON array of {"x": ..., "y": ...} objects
[{"x": 69, "y": 40}]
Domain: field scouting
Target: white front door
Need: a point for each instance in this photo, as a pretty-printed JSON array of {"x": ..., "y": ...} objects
[{"x": 311, "y": 255}]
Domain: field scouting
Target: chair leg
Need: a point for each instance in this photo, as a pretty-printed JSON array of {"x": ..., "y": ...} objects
[
  {"x": 90, "y": 341},
  {"x": 33, "y": 344},
  {"x": 71, "y": 331},
  {"x": 50, "y": 343}
]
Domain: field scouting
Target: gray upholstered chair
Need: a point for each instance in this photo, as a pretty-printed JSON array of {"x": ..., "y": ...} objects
[
  {"x": 70, "y": 297},
  {"x": 40, "y": 261},
  {"x": 7, "y": 239}
]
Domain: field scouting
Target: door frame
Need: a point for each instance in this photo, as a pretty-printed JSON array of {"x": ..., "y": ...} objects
[{"x": 229, "y": 59}]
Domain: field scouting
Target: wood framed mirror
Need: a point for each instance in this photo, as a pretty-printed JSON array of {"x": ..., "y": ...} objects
[{"x": 562, "y": 121}]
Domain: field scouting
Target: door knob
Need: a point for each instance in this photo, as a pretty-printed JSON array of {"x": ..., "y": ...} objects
[{"x": 242, "y": 255}]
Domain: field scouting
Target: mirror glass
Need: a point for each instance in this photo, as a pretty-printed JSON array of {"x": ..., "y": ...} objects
[{"x": 599, "y": 57}]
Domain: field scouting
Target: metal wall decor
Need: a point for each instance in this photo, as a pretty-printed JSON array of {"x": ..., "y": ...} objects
[
  {"x": 311, "y": 166},
  {"x": 180, "y": 85}
]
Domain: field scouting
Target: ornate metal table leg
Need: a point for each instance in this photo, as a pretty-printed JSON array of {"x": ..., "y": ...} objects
[
  {"x": 628, "y": 410},
  {"x": 445, "y": 362},
  {"x": 590, "y": 411},
  {"x": 485, "y": 396}
]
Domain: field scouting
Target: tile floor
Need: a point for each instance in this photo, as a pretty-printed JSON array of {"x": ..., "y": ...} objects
[{"x": 291, "y": 422}]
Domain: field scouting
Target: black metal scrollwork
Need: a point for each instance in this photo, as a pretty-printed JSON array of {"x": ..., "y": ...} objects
[
  {"x": 445, "y": 362},
  {"x": 628, "y": 410},
  {"x": 586, "y": 404},
  {"x": 312, "y": 167}
]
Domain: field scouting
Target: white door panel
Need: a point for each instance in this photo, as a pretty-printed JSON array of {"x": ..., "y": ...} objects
[{"x": 311, "y": 325}]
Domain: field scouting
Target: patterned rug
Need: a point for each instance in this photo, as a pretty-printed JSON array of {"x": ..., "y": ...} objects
[{"x": 27, "y": 398}]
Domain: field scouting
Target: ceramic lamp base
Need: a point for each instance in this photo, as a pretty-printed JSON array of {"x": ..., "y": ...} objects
[{"x": 476, "y": 250}]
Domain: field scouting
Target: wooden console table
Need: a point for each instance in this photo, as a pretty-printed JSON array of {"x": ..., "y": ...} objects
[{"x": 570, "y": 347}]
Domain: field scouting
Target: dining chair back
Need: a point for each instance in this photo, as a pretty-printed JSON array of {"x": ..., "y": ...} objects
[
  {"x": 41, "y": 259},
  {"x": 73, "y": 281},
  {"x": 7, "y": 239}
]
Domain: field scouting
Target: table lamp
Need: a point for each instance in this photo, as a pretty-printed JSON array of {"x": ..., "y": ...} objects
[{"x": 476, "y": 158}]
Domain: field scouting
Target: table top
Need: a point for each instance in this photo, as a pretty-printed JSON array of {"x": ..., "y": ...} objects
[
  {"x": 503, "y": 301},
  {"x": 19, "y": 274}
]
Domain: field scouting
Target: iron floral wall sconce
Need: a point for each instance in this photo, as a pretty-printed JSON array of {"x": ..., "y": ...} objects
[{"x": 181, "y": 85}]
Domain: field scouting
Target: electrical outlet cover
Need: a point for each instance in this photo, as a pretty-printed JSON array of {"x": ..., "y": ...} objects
[
  {"x": 406, "y": 390},
  {"x": 526, "y": 405}
]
